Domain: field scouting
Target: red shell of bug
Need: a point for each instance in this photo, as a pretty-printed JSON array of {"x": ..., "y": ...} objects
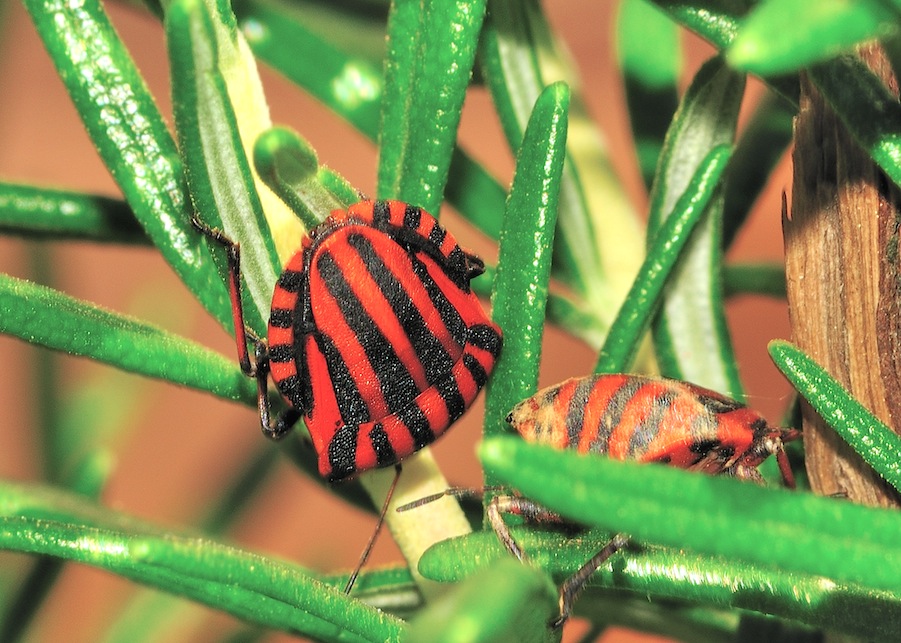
[
  {"x": 653, "y": 419},
  {"x": 376, "y": 337}
]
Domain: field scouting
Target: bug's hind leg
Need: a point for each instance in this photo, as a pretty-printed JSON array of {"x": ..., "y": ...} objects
[
  {"x": 233, "y": 256},
  {"x": 258, "y": 367},
  {"x": 273, "y": 428},
  {"x": 532, "y": 511},
  {"x": 573, "y": 586}
]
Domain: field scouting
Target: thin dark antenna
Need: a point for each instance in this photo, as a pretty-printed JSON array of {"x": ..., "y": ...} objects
[{"x": 375, "y": 534}]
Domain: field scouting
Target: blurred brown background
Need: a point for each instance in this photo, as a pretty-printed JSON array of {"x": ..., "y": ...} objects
[{"x": 184, "y": 445}]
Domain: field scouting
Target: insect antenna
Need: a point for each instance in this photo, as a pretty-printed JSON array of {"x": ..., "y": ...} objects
[
  {"x": 375, "y": 532},
  {"x": 454, "y": 492}
]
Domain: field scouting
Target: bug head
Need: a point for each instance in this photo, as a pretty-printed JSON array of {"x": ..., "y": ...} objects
[
  {"x": 474, "y": 266},
  {"x": 537, "y": 421}
]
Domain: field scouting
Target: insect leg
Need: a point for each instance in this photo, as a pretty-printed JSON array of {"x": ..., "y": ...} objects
[
  {"x": 259, "y": 367},
  {"x": 233, "y": 254},
  {"x": 788, "y": 476},
  {"x": 516, "y": 505},
  {"x": 573, "y": 586},
  {"x": 273, "y": 429}
]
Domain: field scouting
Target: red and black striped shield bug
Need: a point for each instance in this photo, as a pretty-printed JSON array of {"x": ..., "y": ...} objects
[
  {"x": 642, "y": 418},
  {"x": 375, "y": 336}
]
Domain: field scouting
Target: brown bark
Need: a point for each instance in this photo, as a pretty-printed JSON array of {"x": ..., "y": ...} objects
[{"x": 842, "y": 269}]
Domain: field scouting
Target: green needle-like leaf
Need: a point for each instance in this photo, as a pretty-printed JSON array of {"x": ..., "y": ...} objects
[
  {"x": 219, "y": 174},
  {"x": 524, "y": 266},
  {"x": 352, "y": 87},
  {"x": 754, "y": 278},
  {"x": 868, "y": 109},
  {"x": 820, "y": 29},
  {"x": 651, "y": 60},
  {"x": 868, "y": 436},
  {"x": 690, "y": 332},
  {"x": 391, "y": 589},
  {"x": 635, "y": 314},
  {"x": 774, "y": 528},
  {"x": 47, "y": 317},
  {"x": 506, "y": 601},
  {"x": 431, "y": 50},
  {"x": 562, "y": 310},
  {"x": 718, "y": 22},
  {"x": 46, "y": 213},
  {"x": 254, "y": 588},
  {"x": 598, "y": 243},
  {"x": 666, "y": 574},
  {"x": 131, "y": 137},
  {"x": 289, "y": 166}
]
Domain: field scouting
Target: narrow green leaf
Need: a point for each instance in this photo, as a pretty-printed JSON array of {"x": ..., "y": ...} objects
[
  {"x": 264, "y": 589},
  {"x": 648, "y": 45},
  {"x": 49, "y": 318},
  {"x": 131, "y": 137},
  {"x": 475, "y": 194},
  {"x": 45, "y": 520},
  {"x": 718, "y": 22},
  {"x": 352, "y": 87},
  {"x": 236, "y": 64},
  {"x": 867, "y": 108},
  {"x": 520, "y": 287},
  {"x": 650, "y": 61},
  {"x": 148, "y": 615},
  {"x": 289, "y": 166},
  {"x": 219, "y": 175},
  {"x": 391, "y": 589},
  {"x": 507, "y": 601},
  {"x": 821, "y": 29},
  {"x": 876, "y": 443},
  {"x": 47, "y": 213},
  {"x": 664, "y": 575},
  {"x": 774, "y": 528},
  {"x": 259, "y": 590},
  {"x": 634, "y": 317},
  {"x": 762, "y": 144},
  {"x": 690, "y": 331},
  {"x": 431, "y": 50},
  {"x": 754, "y": 278},
  {"x": 713, "y": 20},
  {"x": 598, "y": 243},
  {"x": 47, "y": 418}
]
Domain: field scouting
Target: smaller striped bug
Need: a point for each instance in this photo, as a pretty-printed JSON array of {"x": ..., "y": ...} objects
[
  {"x": 634, "y": 417},
  {"x": 642, "y": 418}
]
